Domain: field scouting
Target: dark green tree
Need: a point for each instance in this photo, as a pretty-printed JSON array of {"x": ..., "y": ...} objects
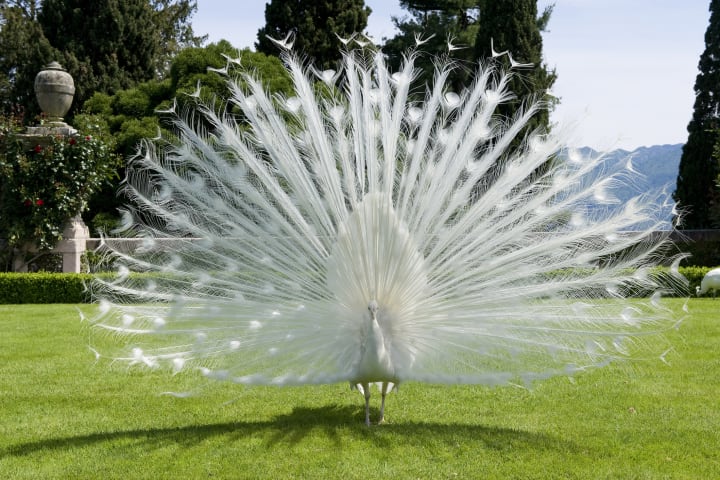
[
  {"x": 136, "y": 113},
  {"x": 315, "y": 26},
  {"x": 115, "y": 42},
  {"x": 176, "y": 33},
  {"x": 514, "y": 26},
  {"x": 24, "y": 50},
  {"x": 106, "y": 45},
  {"x": 132, "y": 114},
  {"x": 436, "y": 23},
  {"x": 696, "y": 190},
  {"x": 714, "y": 208}
]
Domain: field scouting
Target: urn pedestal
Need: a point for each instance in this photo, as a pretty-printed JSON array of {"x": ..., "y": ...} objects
[{"x": 54, "y": 90}]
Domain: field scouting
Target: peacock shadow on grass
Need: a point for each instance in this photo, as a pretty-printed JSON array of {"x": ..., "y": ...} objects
[
  {"x": 347, "y": 421},
  {"x": 338, "y": 423}
]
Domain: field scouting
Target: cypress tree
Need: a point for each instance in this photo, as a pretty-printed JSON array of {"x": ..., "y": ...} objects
[
  {"x": 514, "y": 26},
  {"x": 316, "y": 26},
  {"x": 436, "y": 22},
  {"x": 696, "y": 190},
  {"x": 116, "y": 42}
]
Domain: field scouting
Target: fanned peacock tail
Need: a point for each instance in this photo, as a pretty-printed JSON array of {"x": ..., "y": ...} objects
[{"x": 362, "y": 232}]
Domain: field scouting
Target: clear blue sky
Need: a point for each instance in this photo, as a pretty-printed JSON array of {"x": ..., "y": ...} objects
[{"x": 626, "y": 68}]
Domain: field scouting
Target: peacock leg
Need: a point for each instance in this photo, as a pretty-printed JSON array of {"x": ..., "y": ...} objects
[
  {"x": 384, "y": 388},
  {"x": 366, "y": 388}
]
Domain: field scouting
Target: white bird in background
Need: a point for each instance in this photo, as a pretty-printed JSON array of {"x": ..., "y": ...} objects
[
  {"x": 366, "y": 237},
  {"x": 711, "y": 281}
]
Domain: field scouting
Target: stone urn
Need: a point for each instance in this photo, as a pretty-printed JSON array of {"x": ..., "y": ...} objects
[{"x": 54, "y": 89}]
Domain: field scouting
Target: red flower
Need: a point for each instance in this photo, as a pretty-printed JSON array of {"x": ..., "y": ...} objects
[
  {"x": 72, "y": 141},
  {"x": 39, "y": 202},
  {"x": 27, "y": 203},
  {"x": 38, "y": 149},
  {"x": 88, "y": 137}
]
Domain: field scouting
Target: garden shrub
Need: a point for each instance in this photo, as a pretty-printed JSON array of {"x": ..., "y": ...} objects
[
  {"x": 43, "y": 185},
  {"x": 46, "y": 287}
]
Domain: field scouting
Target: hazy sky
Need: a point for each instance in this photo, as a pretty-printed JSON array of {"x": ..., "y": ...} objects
[{"x": 626, "y": 68}]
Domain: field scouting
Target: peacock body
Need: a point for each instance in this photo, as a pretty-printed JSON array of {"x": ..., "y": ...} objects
[{"x": 356, "y": 232}]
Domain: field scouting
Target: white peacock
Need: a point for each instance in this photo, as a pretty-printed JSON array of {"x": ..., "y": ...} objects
[{"x": 364, "y": 236}]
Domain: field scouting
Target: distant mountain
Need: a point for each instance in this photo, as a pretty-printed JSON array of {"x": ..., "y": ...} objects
[
  {"x": 653, "y": 171},
  {"x": 657, "y": 164}
]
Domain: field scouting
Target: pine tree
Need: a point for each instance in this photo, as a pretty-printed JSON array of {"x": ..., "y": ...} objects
[
  {"x": 696, "y": 190},
  {"x": 315, "y": 25}
]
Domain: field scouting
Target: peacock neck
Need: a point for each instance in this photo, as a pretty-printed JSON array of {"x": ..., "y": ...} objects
[{"x": 375, "y": 363}]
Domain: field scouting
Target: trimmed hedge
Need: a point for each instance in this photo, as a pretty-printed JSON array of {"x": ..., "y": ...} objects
[
  {"x": 71, "y": 287},
  {"x": 44, "y": 287}
]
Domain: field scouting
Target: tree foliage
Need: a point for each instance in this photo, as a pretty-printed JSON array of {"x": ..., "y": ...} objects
[
  {"x": 24, "y": 50},
  {"x": 106, "y": 45},
  {"x": 436, "y": 23},
  {"x": 514, "y": 26},
  {"x": 46, "y": 183},
  {"x": 472, "y": 27},
  {"x": 114, "y": 42},
  {"x": 128, "y": 109},
  {"x": 696, "y": 190},
  {"x": 315, "y": 27},
  {"x": 136, "y": 113},
  {"x": 176, "y": 33}
]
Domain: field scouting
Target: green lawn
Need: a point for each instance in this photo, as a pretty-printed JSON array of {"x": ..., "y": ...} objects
[{"x": 64, "y": 416}]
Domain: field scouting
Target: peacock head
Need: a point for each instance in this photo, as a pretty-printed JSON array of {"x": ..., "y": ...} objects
[{"x": 373, "y": 308}]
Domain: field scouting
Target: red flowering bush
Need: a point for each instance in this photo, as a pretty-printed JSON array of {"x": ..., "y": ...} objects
[{"x": 44, "y": 185}]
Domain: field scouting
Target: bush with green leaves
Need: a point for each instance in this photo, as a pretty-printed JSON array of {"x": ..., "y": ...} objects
[
  {"x": 43, "y": 287},
  {"x": 135, "y": 113},
  {"x": 45, "y": 183}
]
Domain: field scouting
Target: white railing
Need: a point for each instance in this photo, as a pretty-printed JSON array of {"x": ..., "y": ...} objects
[
  {"x": 71, "y": 247},
  {"x": 76, "y": 241}
]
